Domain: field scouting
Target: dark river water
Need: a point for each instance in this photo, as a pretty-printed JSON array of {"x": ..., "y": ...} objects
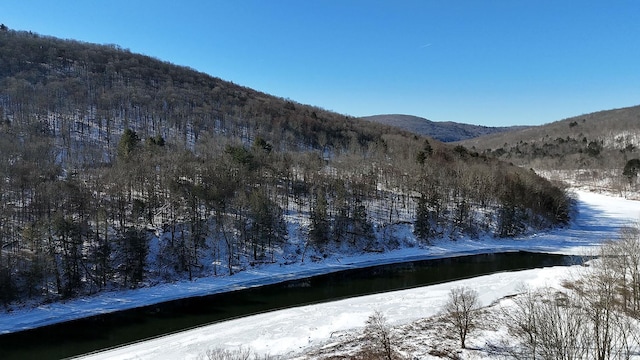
[{"x": 105, "y": 331}]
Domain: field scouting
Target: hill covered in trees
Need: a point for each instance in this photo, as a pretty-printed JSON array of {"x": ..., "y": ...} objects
[
  {"x": 446, "y": 131},
  {"x": 118, "y": 170},
  {"x": 599, "y": 148}
]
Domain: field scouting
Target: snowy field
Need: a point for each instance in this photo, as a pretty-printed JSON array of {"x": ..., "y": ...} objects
[{"x": 287, "y": 332}]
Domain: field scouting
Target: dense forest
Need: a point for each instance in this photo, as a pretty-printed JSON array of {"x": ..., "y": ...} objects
[{"x": 112, "y": 162}]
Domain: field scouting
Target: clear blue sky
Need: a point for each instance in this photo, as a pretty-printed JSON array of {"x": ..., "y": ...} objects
[{"x": 490, "y": 62}]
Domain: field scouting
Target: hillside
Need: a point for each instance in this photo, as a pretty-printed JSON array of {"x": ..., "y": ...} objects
[
  {"x": 592, "y": 148},
  {"x": 445, "y": 131},
  {"x": 120, "y": 171}
]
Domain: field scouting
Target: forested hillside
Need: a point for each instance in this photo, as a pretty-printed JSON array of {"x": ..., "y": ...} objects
[
  {"x": 602, "y": 148},
  {"x": 118, "y": 170}
]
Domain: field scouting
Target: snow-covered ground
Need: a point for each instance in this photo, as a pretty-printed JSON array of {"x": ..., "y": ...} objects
[{"x": 288, "y": 331}]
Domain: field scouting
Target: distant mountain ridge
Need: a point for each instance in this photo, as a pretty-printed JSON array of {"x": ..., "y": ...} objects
[
  {"x": 445, "y": 131},
  {"x": 603, "y": 140},
  {"x": 601, "y": 125}
]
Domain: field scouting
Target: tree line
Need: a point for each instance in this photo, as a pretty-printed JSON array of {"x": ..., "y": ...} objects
[{"x": 118, "y": 170}]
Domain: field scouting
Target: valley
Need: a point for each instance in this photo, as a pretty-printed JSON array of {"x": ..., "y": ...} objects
[{"x": 127, "y": 182}]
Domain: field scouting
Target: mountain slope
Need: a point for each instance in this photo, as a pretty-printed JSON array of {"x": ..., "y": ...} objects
[
  {"x": 446, "y": 131},
  {"x": 600, "y": 140},
  {"x": 127, "y": 171}
]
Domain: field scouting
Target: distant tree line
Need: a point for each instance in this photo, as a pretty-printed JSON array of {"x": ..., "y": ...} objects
[{"x": 118, "y": 170}]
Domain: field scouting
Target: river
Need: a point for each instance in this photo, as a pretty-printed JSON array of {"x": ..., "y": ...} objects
[{"x": 109, "y": 330}]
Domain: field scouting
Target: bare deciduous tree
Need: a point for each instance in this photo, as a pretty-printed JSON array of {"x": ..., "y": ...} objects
[
  {"x": 462, "y": 310},
  {"x": 595, "y": 319},
  {"x": 561, "y": 328},
  {"x": 379, "y": 336},
  {"x": 625, "y": 255},
  {"x": 522, "y": 323},
  {"x": 241, "y": 353},
  {"x": 547, "y": 325}
]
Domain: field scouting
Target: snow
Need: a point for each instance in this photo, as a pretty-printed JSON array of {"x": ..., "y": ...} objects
[{"x": 286, "y": 332}]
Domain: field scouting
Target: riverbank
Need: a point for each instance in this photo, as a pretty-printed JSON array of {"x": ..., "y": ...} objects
[
  {"x": 599, "y": 218},
  {"x": 295, "y": 331}
]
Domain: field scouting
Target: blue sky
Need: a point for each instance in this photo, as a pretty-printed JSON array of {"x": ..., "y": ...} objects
[{"x": 490, "y": 62}]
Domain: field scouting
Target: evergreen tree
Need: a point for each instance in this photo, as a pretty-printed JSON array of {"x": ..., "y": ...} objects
[
  {"x": 630, "y": 170},
  {"x": 128, "y": 143},
  {"x": 422, "y": 226},
  {"x": 320, "y": 226},
  {"x": 361, "y": 225},
  {"x": 8, "y": 290},
  {"x": 133, "y": 249}
]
